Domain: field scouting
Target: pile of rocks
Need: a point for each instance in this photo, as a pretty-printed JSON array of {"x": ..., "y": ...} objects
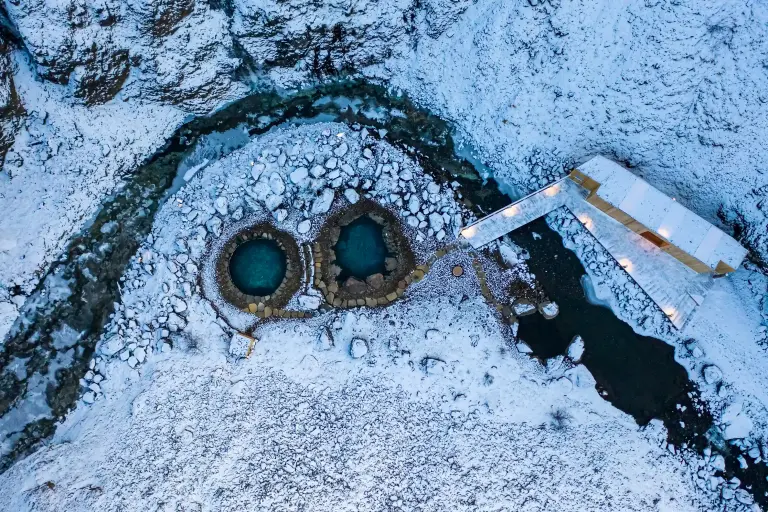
[{"x": 92, "y": 379}]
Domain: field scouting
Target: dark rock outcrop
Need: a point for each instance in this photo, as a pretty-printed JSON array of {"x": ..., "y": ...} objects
[
  {"x": 323, "y": 38},
  {"x": 11, "y": 109},
  {"x": 750, "y": 221}
]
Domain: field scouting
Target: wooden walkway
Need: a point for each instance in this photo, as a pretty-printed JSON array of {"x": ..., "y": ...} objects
[
  {"x": 521, "y": 212},
  {"x": 673, "y": 287}
]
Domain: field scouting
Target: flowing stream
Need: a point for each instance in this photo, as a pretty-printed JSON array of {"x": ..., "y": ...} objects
[{"x": 52, "y": 343}]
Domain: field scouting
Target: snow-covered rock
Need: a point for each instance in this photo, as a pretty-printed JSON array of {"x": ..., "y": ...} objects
[
  {"x": 358, "y": 348},
  {"x": 323, "y": 202}
]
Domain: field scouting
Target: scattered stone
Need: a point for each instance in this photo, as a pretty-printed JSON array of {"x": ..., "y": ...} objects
[
  {"x": 273, "y": 202},
  {"x": 712, "y": 374},
  {"x": 358, "y": 348},
  {"x": 317, "y": 171},
  {"x": 304, "y": 227},
  {"x": 325, "y": 339},
  {"x": 433, "y": 366},
  {"x": 299, "y": 176},
  {"x": 323, "y": 202},
  {"x": 351, "y": 195},
  {"x": 457, "y": 271},
  {"x": 524, "y": 348},
  {"x": 221, "y": 205},
  {"x": 549, "y": 310},
  {"x": 576, "y": 349},
  {"x": 414, "y": 205},
  {"x": 341, "y": 150},
  {"x": 276, "y": 184},
  {"x": 179, "y": 305}
]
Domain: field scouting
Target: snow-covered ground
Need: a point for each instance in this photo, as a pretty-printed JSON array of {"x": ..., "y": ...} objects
[
  {"x": 674, "y": 88},
  {"x": 420, "y": 405}
]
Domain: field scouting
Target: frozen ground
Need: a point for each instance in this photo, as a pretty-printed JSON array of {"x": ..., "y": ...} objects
[
  {"x": 433, "y": 409},
  {"x": 674, "y": 88}
]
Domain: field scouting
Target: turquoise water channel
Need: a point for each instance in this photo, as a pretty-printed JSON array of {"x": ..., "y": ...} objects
[
  {"x": 361, "y": 251},
  {"x": 257, "y": 267}
]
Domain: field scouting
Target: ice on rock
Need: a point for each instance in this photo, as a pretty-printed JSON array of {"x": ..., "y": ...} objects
[
  {"x": 304, "y": 227},
  {"x": 317, "y": 171},
  {"x": 367, "y": 153},
  {"x": 256, "y": 171},
  {"x": 95, "y": 388},
  {"x": 238, "y": 345},
  {"x": 576, "y": 349},
  {"x": 436, "y": 221},
  {"x": 325, "y": 339},
  {"x": 273, "y": 202},
  {"x": 712, "y": 374},
  {"x": 358, "y": 348},
  {"x": 414, "y": 204},
  {"x": 179, "y": 305},
  {"x": 309, "y": 302},
  {"x": 133, "y": 362},
  {"x": 351, "y": 195},
  {"x": 433, "y": 188},
  {"x": 406, "y": 175},
  {"x": 89, "y": 397},
  {"x": 112, "y": 346},
  {"x": 412, "y": 221},
  {"x": 140, "y": 354},
  {"x": 259, "y": 191},
  {"x": 221, "y": 205},
  {"x": 331, "y": 163},
  {"x": 433, "y": 366},
  {"x": 299, "y": 176},
  {"x": 524, "y": 348},
  {"x": 281, "y": 160},
  {"x": 341, "y": 150},
  {"x": 276, "y": 184},
  {"x": 440, "y": 234},
  {"x": 322, "y": 203},
  {"x": 281, "y": 215}
]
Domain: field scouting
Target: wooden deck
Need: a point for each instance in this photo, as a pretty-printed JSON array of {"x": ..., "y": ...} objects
[{"x": 672, "y": 286}]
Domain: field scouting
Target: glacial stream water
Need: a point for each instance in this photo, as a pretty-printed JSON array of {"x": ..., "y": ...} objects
[{"x": 39, "y": 379}]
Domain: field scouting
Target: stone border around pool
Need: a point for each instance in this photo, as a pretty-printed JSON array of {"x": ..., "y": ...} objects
[
  {"x": 260, "y": 305},
  {"x": 377, "y": 290}
]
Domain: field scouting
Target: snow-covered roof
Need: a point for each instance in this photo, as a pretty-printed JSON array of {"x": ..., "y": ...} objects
[{"x": 662, "y": 214}]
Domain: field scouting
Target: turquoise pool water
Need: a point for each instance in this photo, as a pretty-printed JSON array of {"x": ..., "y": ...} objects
[
  {"x": 257, "y": 267},
  {"x": 360, "y": 251}
]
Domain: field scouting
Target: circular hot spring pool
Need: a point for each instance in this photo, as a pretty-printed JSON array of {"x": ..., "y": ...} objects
[
  {"x": 257, "y": 267},
  {"x": 361, "y": 250}
]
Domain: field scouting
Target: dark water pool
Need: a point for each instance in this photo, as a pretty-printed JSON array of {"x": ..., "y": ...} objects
[
  {"x": 257, "y": 267},
  {"x": 361, "y": 251},
  {"x": 638, "y": 374}
]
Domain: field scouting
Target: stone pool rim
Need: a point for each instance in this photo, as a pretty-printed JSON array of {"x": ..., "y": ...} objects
[
  {"x": 293, "y": 267},
  {"x": 395, "y": 280}
]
